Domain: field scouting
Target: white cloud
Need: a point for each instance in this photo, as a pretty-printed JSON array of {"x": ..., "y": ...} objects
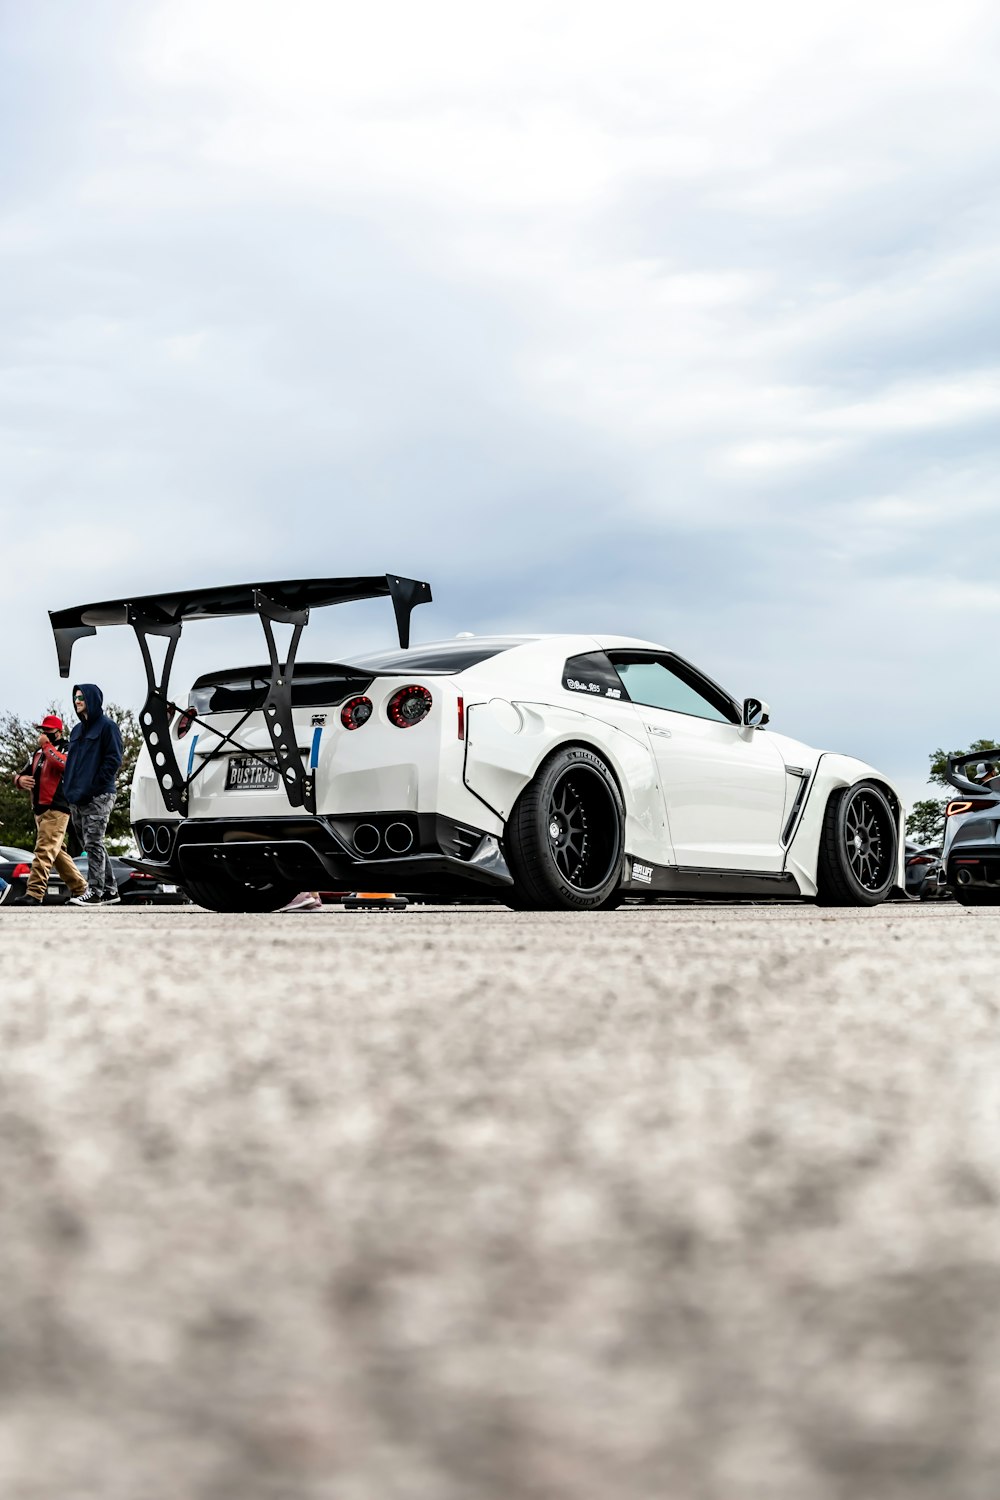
[
  {"x": 674, "y": 317},
  {"x": 781, "y": 453},
  {"x": 920, "y": 405}
]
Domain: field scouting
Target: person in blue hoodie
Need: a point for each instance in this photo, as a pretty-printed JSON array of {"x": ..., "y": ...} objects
[{"x": 88, "y": 784}]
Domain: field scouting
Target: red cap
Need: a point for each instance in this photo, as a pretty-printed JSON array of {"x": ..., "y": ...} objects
[{"x": 51, "y": 721}]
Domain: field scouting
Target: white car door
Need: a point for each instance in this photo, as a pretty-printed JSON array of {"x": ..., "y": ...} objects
[{"x": 723, "y": 784}]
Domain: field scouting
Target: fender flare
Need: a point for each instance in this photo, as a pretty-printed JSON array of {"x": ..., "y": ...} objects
[
  {"x": 500, "y": 762},
  {"x": 833, "y": 773}
]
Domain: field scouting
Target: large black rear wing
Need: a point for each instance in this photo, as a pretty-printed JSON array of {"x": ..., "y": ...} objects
[
  {"x": 989, "y": 758},
  {"x": 286, "y": 602}
]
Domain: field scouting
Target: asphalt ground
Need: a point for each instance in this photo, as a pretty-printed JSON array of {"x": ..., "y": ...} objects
[{"x": 686, "y": 1203}]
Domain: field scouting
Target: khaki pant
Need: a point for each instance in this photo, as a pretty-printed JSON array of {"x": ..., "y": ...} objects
[{"x": 49, "y": 852}]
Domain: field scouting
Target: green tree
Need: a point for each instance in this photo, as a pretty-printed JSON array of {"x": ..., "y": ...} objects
[
  {"x": 18, "y": 742},
  {"x": 925, "y": 821},
  {"x": 119, "y": 825}
]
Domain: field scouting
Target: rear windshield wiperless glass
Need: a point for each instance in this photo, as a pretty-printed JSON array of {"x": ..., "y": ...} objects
[
  {"x": 319, "y": 684},
  {"x": 315, "y": 685}
]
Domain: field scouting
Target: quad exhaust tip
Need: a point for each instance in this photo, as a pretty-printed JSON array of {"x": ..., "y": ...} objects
[
  {"x": 964, "y": 876},
  {"x": 399, "y": 838},
  {"x": 156, "y": 839},
  {"x": 366, "y": 838}
]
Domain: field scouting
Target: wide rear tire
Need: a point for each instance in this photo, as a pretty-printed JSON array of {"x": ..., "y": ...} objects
[
  {"x": 965, "y": 897},
  {"x": 858, "y": 851},
  {"x": 565, "y": 838},
  {"x": 230, "y": 896}
]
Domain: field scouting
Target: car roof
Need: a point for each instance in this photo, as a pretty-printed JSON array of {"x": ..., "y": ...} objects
[
  {"x": 461, "y": 645},
  {"x": 450, "y": 656},
  {"x": 447, "y": 658}
]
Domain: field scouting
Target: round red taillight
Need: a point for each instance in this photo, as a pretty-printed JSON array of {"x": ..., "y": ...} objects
[
  {"x": 409, "y": 706},
  {"x": 185, "y": 721},
  {"x": 355, "y": 712}
]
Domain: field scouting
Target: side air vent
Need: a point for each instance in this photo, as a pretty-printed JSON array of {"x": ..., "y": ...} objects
[
  {"x": 466, "y": 840},
  {"x": 800, "y": 797},
  {"x": 457, "y": 840}
]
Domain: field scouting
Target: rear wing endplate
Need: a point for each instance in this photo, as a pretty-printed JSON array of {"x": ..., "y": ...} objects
[{"x": 287, "y": 602}]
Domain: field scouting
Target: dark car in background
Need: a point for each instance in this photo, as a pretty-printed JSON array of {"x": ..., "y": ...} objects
[
  {"x": 923, "y": 871},
  {"x": 14, "y": 866},
  {"x": 134, "y": 887}
]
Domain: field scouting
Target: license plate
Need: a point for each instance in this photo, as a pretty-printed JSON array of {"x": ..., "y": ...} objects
[
  {"x": 246, "y": 774},
  {"x": 170, "y": 890}
]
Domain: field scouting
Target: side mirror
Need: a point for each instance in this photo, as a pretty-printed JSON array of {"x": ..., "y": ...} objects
[{"x": 755, "y": 713}]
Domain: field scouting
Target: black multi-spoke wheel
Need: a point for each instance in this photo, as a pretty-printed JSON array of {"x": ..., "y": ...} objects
[
  {"x": 859, "y": 848},
  {"x": 866, "y": 839},
  {"x": 564, "y": 840},
  {"x": 568, "y": 827}
]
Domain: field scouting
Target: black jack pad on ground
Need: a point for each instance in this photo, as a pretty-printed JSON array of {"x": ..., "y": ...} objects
[{"x": 375, "y": 901}]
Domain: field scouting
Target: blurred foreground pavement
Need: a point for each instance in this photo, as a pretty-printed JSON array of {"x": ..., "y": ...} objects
[{"x": 680, "y": 1203}]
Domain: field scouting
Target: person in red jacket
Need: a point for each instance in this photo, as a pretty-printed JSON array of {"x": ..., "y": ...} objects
[{"x": 41, "y": 775}]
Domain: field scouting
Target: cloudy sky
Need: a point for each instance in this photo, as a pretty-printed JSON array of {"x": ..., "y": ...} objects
[{"x": 680, "y": 321}]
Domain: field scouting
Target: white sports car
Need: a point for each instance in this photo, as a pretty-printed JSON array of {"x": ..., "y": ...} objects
[{"x": 548, "y": 772}]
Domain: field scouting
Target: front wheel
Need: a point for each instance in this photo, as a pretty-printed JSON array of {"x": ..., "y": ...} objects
[
  {"x": 564, "y": 840},
  {"x": 858, "y": 848}
]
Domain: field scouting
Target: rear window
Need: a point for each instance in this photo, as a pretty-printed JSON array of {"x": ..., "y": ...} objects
[
  {"x": 315, "y": 685},
  {"x": 444, "y": 656},
  {"x": 323, "y": 684}
]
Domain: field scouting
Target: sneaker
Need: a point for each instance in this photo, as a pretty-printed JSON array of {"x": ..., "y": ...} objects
[
  {"x": 89, "y": 898},
  {"x": 111, "y": 898},
  {"x": 304, "y": 901}
]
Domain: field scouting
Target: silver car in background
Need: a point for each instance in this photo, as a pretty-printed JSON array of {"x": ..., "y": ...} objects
[{"x": 971, "y": 850}]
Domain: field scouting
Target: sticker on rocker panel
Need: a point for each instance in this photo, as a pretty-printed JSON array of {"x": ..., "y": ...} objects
[{"x": 642, "y": 873}]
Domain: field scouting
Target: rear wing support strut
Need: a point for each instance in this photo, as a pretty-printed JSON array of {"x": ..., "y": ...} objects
[
  {"x": 155, "y": 714},
  {"x": 157, "y": 711},
  {"x": 300, "y": 785}
]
